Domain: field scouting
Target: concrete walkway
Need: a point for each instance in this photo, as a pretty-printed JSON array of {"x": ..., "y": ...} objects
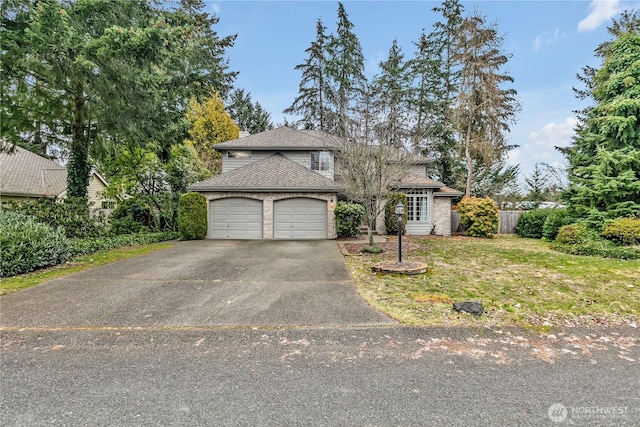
[{"x": 202, "y": 284}]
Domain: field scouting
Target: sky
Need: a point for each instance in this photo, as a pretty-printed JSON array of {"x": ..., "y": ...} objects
[{"x": 549, "y": 42}]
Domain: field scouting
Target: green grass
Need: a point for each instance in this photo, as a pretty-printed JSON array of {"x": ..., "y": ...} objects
[
  {"x": 519, "y": 281},
  {"x": 85, "y": 262}
]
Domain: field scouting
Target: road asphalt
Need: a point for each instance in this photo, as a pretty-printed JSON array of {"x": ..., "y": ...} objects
[{"x": 258, "y": 334}]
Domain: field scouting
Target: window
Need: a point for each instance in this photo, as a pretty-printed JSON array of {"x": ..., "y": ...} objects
[
  {"x": 320, "y": 160},
  {"x": 238, "y": 154},
  {"x": 417, "y": 202},
  {"x": 108, "y": 204}
]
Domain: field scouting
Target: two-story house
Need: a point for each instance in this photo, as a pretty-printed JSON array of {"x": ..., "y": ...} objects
[{"x": 280, "y": 184}]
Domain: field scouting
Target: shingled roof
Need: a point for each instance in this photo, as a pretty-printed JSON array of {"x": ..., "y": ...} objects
[
  {"x": 26, "y": 174},
  {"x": 413, "y": 180},
  {"x": 275, "y": 173},
  {"x": 282, "y": 138}
]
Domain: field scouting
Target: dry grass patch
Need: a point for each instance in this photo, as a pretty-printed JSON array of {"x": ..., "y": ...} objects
[{"x": 519, "y": 281}]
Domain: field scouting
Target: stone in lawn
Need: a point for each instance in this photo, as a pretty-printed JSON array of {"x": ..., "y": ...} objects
[{"x": 473, "y": 307}]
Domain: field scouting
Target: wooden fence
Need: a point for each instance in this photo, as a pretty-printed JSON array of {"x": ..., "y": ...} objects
[{"x": 506, "y": 223}]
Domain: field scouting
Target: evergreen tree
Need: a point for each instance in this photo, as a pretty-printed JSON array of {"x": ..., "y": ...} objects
[
  {"x": 311, "y": 102},
  {"x": 248, "y": 115},
  {"x": 604, "y": 157},
  {"x": 434, "y": 87},
  {"x": 390, "y": 99},
  {"x": 87, "y": 74},
  {"x": 345, "y": 69},
  {"x": 484, "y": 107}
]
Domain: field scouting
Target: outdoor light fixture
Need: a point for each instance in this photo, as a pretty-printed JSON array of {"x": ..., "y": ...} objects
[{"x": 400, "y": 213}]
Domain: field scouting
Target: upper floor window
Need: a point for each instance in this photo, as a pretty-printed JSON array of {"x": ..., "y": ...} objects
[
  {"x": 320, "y": 160},
  {"x": 238, "y": 154}
]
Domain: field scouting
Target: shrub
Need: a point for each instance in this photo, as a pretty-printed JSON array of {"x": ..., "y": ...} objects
[
  {"x": 598, "y": 247},
  {"x": 372, "y": 249},
  {"x": 623, "y": 231},
  {"x": 576, "y": 233},
  {"x": 71, "y": 214},
  {"x": 129, "y": 217},
  {"x": 349, "y": 216},
  {"x": 192, "y": 216},
  {"x": 580, "y": 239},
  {"x": 555, "y": 219},
  {"x": 95, "y": 244},
  {"x": 390, "y": 217},
  {"x": 478, "y": 216},
  {"x": 530, "y": 223},
  {"x": 28, "y": 244}
]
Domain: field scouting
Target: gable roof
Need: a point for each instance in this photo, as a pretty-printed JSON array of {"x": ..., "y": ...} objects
[
  {"x": 282, "y": 138},
  {"x": 413, "y": 180},
  {"x": 275, "y": 173},
  {"x": 27, "y": 174}
]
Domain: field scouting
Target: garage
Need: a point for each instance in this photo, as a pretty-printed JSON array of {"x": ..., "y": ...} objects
[
  {"x": 235, "y": 218},
  {"x": 300, "y": 218}
]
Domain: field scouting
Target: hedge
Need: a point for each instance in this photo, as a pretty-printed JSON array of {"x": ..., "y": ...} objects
[
  {"x": 348, "y": 216},
  {"x": 28, "y": 244},
  {"x": 192, "y": 216}
]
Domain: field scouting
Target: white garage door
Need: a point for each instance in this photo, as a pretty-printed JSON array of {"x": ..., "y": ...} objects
[
  {"x": 235, "y": 218},
  {"x": 300, "y": 218}
]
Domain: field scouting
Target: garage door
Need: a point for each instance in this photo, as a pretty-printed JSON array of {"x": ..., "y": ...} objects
[
  {"x": 300, "y": 218},
  {"x": 235, "y": 218}
]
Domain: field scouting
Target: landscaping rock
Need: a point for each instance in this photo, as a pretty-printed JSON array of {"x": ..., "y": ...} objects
[{"x": 473, "y": 307}]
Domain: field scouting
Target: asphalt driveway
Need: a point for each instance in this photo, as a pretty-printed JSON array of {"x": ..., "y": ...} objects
[{"x": 202, "y": 284}]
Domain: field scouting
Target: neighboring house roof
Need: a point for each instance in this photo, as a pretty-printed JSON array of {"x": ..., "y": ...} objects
[
  {"x": 282, "y": 138},
  {"x": 26, "y": 174},
  {"x": 275, "y": 173}
]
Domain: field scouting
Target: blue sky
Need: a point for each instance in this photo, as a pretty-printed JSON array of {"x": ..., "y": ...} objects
[{"x": 550, "y": 42}]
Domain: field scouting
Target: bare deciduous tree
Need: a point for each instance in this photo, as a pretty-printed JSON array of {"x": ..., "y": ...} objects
[{"x": 369, "y": 173}]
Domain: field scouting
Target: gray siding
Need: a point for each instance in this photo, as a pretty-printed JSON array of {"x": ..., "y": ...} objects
[{"x": 301, "y": 157}]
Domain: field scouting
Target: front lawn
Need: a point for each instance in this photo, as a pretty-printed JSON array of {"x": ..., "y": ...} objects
[{"x": 519, "y": 281}]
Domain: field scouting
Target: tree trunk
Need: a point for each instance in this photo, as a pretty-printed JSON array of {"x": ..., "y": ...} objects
[
  {"x": 467, "y": 153},
  {"x": 370, "y": 235},
  {"x": 78, "y": 167}
]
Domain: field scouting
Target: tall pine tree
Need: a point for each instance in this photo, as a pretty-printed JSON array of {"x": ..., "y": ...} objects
[
  {"x": 390, "y": 99},
  {"x": 86, "y": 74},
  {"x": 311, "y": 103},
  {"x": 345, "y": 69},
  {"x": 485, "y": 106},
  {"x": 604, "y": 157}
]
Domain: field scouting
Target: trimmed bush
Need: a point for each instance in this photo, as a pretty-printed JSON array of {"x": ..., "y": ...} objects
[
  {"x": 555, "y": 219},
  {"x": 623, "y": 231},
  {"x": 192, "y": 216},
  {"x": 390, "y": 217},
  {"x": 576, "y": 233},
  {"x": 131, "y": 216},
  {"x": 478, "y": 216},
  {"x": 531, "y": 223},
  {"x": 28, "y": 244},
  {"x": 349, "y": 216},
  {"x": 91, "y": 245}
]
